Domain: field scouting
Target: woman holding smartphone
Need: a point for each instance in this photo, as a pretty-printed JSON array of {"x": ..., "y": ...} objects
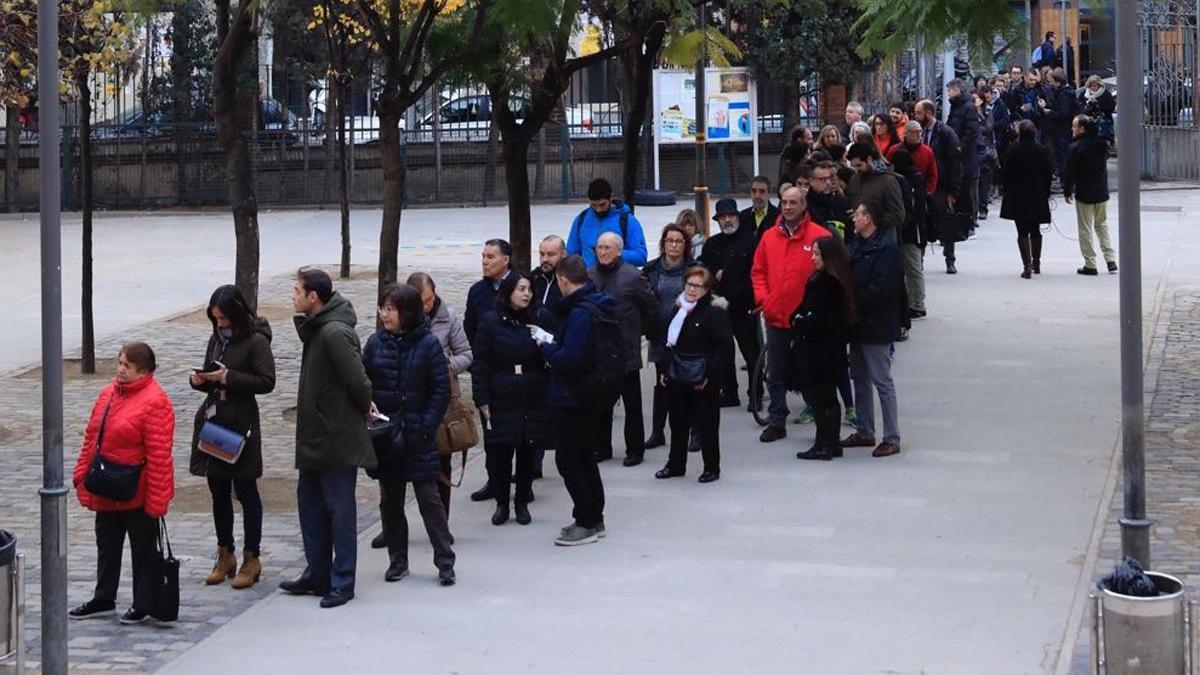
[
  {"x": 508, "y": 381},
  {"x": 239, "y": 366}
]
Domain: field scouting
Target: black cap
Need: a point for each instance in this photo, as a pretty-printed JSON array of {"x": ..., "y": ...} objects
[{"x": 725, "y": 206}]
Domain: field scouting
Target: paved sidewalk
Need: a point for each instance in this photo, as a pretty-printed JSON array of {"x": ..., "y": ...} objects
[{"x": 966, "y": 553}]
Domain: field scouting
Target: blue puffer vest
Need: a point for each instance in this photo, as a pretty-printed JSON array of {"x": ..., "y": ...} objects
[{"x": 409, "y": 379}]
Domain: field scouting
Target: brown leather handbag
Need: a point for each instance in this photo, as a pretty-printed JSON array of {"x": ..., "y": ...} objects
[{"x": 458, "y": 432}]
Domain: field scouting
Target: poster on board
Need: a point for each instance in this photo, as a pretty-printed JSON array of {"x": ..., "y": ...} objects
[{"x": 728, "y": 106}]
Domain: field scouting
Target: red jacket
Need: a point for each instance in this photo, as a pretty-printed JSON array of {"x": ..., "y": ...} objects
[
  {"x": 925, "y": 162},
  {"x": 782, "y": 265},
  {"x": 140, "y": 428}
]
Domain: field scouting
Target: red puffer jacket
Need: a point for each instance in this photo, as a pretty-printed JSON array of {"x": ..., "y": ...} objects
[
  {"x": 782, "y": 266},
  {"x": 140, "y": 428}
]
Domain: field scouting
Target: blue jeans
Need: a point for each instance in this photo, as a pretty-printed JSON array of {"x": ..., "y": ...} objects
[
  {"x": 329, "y": 527},
  {"x": 779, "y": 342}
]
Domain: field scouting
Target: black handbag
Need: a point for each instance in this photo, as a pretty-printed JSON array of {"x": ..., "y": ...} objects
[
  {"x": 109, "y": 479},
  {"x": 388, "y": 436},
  {"x": 953, "y": 227},
  {"x": 163, "y": 579},
  {"x": 686, "y": 369}
]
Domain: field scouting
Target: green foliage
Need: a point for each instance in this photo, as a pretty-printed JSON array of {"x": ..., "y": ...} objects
[
  {"x": 806, "y": 38},
  {"x": 193, "y": 38},
  {"x": 683, "y": 50},
  {"x": 889, "y": 27}
]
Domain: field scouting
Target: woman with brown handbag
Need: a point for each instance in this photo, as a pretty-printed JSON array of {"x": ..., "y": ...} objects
[{"x": 508, "y": 382}]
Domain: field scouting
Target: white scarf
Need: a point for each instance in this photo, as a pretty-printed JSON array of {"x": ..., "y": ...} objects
[
  {"x": 685, "y": 308},
  {"x": 1092, "y": 96}
]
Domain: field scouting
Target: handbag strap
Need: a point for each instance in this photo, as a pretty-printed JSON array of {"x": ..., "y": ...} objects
[
  {"x": 164, "y": 537},
  {"x": 462, "y": 472},
  {"x": 103, "y": 422}
]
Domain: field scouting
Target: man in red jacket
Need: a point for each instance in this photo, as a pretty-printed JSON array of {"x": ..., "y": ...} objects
[
  {"x": 782, "y": 265},
  {"x": 922, "y": 155}
]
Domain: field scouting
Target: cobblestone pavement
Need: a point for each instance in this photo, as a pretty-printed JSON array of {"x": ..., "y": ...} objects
[
  {"x": 179, "y": 343},
  {"x": 1172, "y": 459}
]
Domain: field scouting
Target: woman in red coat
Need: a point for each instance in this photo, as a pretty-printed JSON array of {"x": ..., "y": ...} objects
[{"x": 132, "y": 424}]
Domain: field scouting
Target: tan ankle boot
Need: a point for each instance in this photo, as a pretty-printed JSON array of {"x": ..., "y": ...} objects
[
  {"x": 224, "y": 567},
  {"x": 250, "y": 572}
]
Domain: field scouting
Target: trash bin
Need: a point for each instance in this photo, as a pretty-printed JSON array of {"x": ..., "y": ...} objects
[
  {"x": 8, "y": 594},
  {"x": 1145, "y": 635}
]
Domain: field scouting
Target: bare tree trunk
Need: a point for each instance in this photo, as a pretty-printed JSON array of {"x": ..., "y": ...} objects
[
  {"x": 638, "y": 64},
  {"x": 516, "y": 181},
  {"x": 343, "y": 183},
  {"x": 393, "y": 191},
  {"x": 489, "y": 170},
  {"x": 88, "y": 339},
  {"x": 233, "y": 119},
  {"x": 791, "y": 107},
  {"x": 12, "y": 156}
]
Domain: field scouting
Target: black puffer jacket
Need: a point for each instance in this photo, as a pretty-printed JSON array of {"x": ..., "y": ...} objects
[
  {"x": 251, "y": 372},
  {"x": 706, "y": 330},
  {"x": 819, "y": 325},
  {"x": 510, "y": 376},
  {"x": 409, "y": 379},
  {"x": 666, "y": 283}
]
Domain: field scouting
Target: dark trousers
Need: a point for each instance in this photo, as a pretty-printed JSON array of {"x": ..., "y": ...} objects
[
  {"x": 845, "y": 389},
  {"x": 223, "y": 490},
  {"x": 631, "y": 397},
  {"x": 779, "y": 347},
  {"x": 747, "y": 332},
  {"x": 658, "y": 405},
  {"x": 392, "y": 487},
  {"x": 968, "y": 199},
  {"x": 111, "y": 528},
  {"x": 329, "y": 527},
  {"x": 699, "y": 411},
  {"x": 576, "y": 460},
  {"x": 821, "y": 398},
  {"x": 444, "y": 484},
  {"x": 985, "y": 187},
  {"x": 500, "y": 471}
]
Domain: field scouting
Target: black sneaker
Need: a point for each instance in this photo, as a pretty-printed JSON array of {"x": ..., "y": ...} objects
[
  {"x": 446, "y": 577},
  {"x": 134, "y": 616},
  {"x": 92, "y": 609},
  {"x": 1112, "y": 267},
  {"x": 916, "y": 314},
  {"x": 1087, "y": 271},
  {"x": 483, "y": 494}
]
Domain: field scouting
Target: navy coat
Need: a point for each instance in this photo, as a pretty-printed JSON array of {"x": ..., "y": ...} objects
[
  {"x": 416, "y": 388},
  {"x": 520, "y": 411},
  {"x": 570, "y": 357},
  {"x": 878, "y": 285}
]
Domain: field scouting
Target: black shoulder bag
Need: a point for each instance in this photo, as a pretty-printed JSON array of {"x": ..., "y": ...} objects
[{"x": 108, "y": 479}]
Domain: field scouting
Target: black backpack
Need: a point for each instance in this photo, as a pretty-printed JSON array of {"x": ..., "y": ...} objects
[{"x": 606, "y": 378}]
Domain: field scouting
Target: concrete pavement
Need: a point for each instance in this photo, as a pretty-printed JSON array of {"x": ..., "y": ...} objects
[{"x": 969, "y": 552}]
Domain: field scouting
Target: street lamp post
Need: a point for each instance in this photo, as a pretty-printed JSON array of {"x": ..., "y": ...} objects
[
  {"x": 701, "y": 188},
  {"x": 1135, "y": 527},
  {"x": 53, "y": 494}
]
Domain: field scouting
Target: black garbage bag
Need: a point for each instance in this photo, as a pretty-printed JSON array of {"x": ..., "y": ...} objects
[{"x": 1128, "y": 578}]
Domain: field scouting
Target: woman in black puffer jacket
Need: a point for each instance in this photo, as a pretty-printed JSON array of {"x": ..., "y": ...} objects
[
  {"x": 410, "y": 385},
  {"x": 508, "y": 383}
]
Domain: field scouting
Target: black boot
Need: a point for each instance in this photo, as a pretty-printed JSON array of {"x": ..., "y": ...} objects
[
  {"x": 523, "y": 516},
  {"x": 482, "y": 494},
  {"x": 1035, "y": 240},
  {"x": 1023, "y": 246},
  {"x": 500, "y": 517}
]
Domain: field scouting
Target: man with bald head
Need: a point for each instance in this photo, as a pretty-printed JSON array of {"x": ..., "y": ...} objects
[
  {"x": 782, "y": 265},
  {"x": 637, "y": 314},
  {"x": 922, "y": 154},
  {"x": 545, "y": 288}
]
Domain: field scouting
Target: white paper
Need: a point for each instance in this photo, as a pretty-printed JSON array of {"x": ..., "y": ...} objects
[{"x": 540, "y": 335}]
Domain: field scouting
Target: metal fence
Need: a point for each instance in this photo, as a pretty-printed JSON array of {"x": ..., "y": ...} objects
[
  {"x": 453, "y": 160},
  {"x": 1170, "y": 60}
]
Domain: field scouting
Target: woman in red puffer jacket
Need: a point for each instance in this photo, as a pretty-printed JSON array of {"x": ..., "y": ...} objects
[{"x": 132, "y": 423}]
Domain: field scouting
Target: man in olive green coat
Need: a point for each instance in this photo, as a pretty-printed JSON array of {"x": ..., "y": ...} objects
[{"x": 331, "y": 438}]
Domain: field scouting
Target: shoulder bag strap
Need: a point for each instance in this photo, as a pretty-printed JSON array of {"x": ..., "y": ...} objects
[
  {"x": 164, "y": 537},
  {"x": 103, "y": 422}
]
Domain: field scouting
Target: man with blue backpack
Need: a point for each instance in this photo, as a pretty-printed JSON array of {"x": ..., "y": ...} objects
[
  {"x": 586, "y": 356},
  {"x": 606, "y": 214}
]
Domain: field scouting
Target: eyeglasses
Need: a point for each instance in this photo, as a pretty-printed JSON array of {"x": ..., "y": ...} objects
[
  {"x": 695, "y": 287},
  {"x": 677, "y": 242}
]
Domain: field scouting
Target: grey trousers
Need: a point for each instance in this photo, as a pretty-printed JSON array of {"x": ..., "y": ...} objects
[
  {"x": 871, "y": 369},
  {"x": 914, "y": 275},
  {"x": 779, "y": 341}
]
